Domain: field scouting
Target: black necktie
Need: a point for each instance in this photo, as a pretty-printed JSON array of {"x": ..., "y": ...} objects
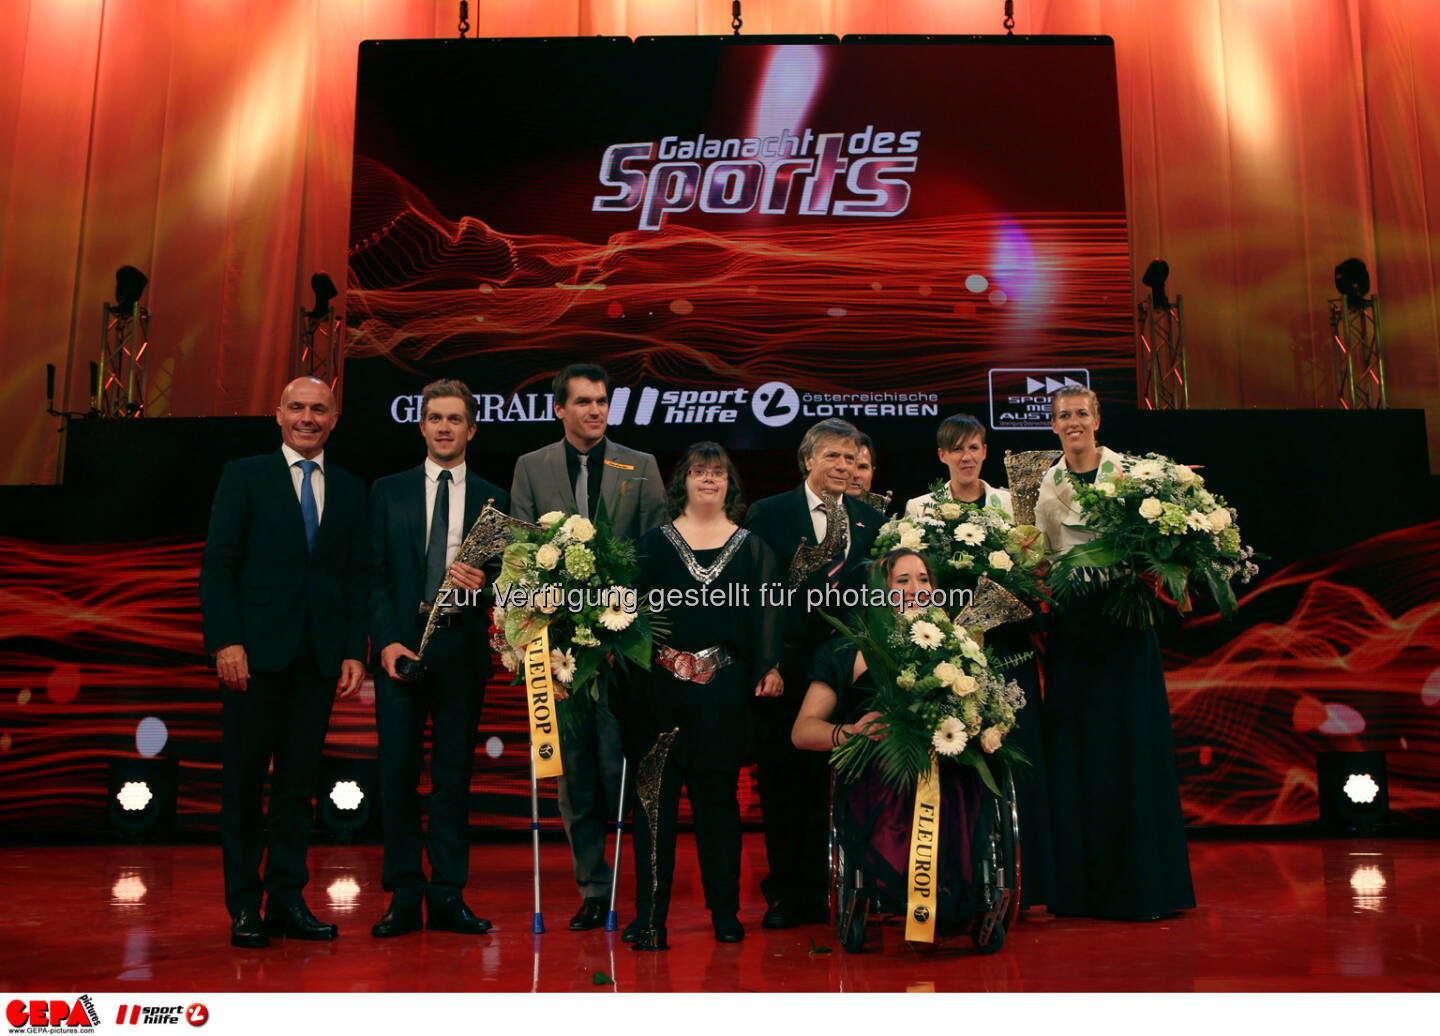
[{"x": 439, "y": 538}]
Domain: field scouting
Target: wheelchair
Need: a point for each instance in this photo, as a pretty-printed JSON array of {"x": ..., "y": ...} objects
[{"x": 995, "y": 877}]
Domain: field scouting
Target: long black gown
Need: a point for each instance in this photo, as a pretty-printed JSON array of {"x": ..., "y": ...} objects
[
  {"x": 713, "y": 721},
  {"x": 1119, "y": 831}
]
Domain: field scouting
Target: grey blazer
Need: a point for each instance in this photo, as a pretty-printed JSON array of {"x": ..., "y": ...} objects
[{"x": 542, "y": 484}]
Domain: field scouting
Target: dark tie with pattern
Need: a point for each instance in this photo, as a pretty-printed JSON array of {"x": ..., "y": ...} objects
[
  {"x": 439, "y": 538},
  {"x": 582, "y": 488}
]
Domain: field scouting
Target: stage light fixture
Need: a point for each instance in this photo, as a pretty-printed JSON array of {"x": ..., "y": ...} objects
[
  {"x": 1352, "y": 279},
  {"x": 325, "y": 291},
  {"x": 129, "y": 286},
  {"x": 1353, "y": 789},
  {"x": 1154, "y": 278},
  {"x": 142, "y": 795},
  {"x": 348, "y": 797}
]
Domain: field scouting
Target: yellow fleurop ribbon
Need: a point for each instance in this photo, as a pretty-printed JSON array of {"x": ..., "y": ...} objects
[
  {"x": 540, "y": 704},
  {"x": 924, "y": 858}
]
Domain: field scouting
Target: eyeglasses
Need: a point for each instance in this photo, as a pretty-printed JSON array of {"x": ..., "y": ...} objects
[{"x": 718, "y": 474}]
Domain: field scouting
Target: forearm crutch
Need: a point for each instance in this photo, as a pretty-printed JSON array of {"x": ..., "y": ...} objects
[
  {"x": 537, "y": 923},
  {"x": 611, "y": 921}
]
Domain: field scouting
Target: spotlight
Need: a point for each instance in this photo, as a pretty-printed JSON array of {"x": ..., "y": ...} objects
[
  {"x": 1353, "y": 788},
  {"x": 1352, "y": 280},
  {"x": 129, "y": 286},
  {"x": 347, "y": 796},
  {"x": 142, "y": 796},
  {"x": 1156, "y": 274},
  {"x": 324, "y": 289}
]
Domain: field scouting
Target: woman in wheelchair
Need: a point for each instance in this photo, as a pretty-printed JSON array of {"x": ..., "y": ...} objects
[{"x": 871, "y": 818}]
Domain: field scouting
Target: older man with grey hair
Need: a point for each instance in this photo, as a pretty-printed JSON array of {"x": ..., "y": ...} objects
[{"x": 793, "y": 785}]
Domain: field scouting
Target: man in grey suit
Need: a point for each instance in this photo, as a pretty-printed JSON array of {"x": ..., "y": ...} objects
[{"x": 577, "y": 474}]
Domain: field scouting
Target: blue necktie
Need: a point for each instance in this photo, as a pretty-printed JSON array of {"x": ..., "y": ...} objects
[{"x": 308, "y": 510}]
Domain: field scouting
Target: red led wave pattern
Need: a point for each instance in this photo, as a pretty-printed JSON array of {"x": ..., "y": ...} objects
[
  {"x": 891, "y": 306},
  {"x": 1336, "y": 653}
]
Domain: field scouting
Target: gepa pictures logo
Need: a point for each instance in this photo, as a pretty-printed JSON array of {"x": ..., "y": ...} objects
[
  {"x": 52, "y": 1015},
  {"x": 858, "y": 174}
]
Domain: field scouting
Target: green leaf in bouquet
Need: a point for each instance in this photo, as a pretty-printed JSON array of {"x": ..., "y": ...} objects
[
  {"x": 1175, "y": 577},
  {"x": 635, "y": 645},
  {"x": 1220, "y": 590},
  {"x": 1098, "y": 553},
  {"x": 522, "y": 626},
  {"x": 972, "y": 756}
]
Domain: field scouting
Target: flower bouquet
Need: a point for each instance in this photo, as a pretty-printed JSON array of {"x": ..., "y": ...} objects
[
  {"x": 964, "y": 542},
  {"x": 1159, "y": 531},
  {"x": 573, "y": 579},
  {"x": 940, "y": 695}
]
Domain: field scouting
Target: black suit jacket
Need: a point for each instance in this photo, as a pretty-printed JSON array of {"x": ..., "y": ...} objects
[
  {"x": 259, "y": 585},
  {"x": 782, "y": 521},
  {"x": 397, "y": 547}
]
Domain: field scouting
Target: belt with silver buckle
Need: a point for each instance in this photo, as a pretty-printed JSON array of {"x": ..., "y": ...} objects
[{"x": 694, "y": 666}]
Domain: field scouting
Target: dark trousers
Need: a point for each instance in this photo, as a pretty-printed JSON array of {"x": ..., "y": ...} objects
[
  {"x": 450, "y": 695},
  {"x": 280, "y": 715},
  {"x": 716, "y": 807},
  {"x": 794, "y": 788},
  {"x": 589, "y": 795}
]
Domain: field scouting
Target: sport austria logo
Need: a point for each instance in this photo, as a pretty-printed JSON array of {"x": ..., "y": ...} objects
[{"x": 36, "y": 1015}]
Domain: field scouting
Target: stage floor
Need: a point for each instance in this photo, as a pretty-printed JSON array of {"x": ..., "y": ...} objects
[{"x": 1344, "y": 915}]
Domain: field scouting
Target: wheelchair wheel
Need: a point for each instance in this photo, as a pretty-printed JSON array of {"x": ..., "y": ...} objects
[
  {"x": 998, "y": 856},
  {"x": 852, "y": 903},
  {"x": 991, "y": 940},
  {"x": 1010, "y": 847}
]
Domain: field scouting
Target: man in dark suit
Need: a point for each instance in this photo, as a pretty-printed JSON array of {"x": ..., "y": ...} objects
[
  {"x": 577, "y": 474},
  {"x": 417, "y": 521},
  {"x": 794, "y": 785},
  {"x": 283, "y": 586}
]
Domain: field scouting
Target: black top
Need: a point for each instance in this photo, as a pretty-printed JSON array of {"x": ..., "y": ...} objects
[
  {"x": 834, "y": 666},
  {"x": 596, "y": 463}
]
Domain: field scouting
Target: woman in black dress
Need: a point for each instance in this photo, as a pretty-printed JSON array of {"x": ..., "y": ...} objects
[
  {"x": 1119, "y": 833},
  {"x": 688, "y": 720}
]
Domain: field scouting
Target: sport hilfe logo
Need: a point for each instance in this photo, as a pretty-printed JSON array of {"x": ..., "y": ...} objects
[
  {"x": 137, "y": 1014},
  {"x": 759, "y": 174}
]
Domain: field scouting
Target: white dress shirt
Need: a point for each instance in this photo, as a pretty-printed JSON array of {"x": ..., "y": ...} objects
[
  {"x": 456, "y": 531},
  {"x": 317, "y": 477},
  {"x": 817, "y": 518}
]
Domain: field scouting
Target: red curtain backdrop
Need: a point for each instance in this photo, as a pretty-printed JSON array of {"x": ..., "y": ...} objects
[{"x": 209, "y": 143}]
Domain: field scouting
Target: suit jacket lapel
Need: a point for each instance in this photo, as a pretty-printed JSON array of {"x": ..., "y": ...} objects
[
  {"x": 610, "y": 485},
  {"x": 412, "y": 514},
  {"x": 800, "y": 518},
  {"x": 852, "y": 510},
  {"x": 557, "y": 478}
]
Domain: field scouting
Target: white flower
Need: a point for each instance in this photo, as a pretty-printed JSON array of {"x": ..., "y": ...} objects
[
  {"x": 1150, "y": 509},
  {"x": 548, "y": 556},
  {"x": 1219, "y": 519},
  {"x": 1184, "y": 475},
  {"x": 999, "y": 559},
  {"x": 582, "y": 530},
  {"x": 928, "y": 519},
  {"x": 889, "y": 528},
  {"x": 949, "y": 736},
  {"x": 950, "y": 675},
  {"x": 615, "y": 618},
  {"x": 910, "y": 537},
  {"x": 950, "y": 510},
  {"x": 973, "y": 651},
  {"x": 1105, "y": 488},
  {"x": 562, "y": 664},
  {"x": 1197, "y": 521},
  {"x": 906, "y": 679},
  {"x": 926, "y": 634},
  {"x": 549, "y": 518},
  {"x": 969, "y": 532},
  {"x": 509, "y": 659},
  {"x": 990, "y": 739},
  {"x": 1150, "y": 470}
]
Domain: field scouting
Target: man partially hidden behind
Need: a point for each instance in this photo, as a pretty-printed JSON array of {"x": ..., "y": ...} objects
[
  {"x": 577, "y": 474},
  {"x": 794, "y": 785},
  {"x": 417, "y": 521},
  {"x": 283, "y": 586}
]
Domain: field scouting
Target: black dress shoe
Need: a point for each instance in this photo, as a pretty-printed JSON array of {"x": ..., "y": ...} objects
[
  {"x": 779, "y": 916},
  {"x": 453, "y": 915},
  {"x": 650, "y": 939},
  {"x": 247, "y": 930},
  {"x": 631, "y": 932},
  {"x": 400, "y": 919},
  {"x": 590, "y": 916},
  {"x": 297, "y": 922},
  {"x": 728, "y": 929}
]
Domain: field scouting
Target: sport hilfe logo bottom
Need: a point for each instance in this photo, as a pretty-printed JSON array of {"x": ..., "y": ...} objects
[{"x": 136, "y": 1014}]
